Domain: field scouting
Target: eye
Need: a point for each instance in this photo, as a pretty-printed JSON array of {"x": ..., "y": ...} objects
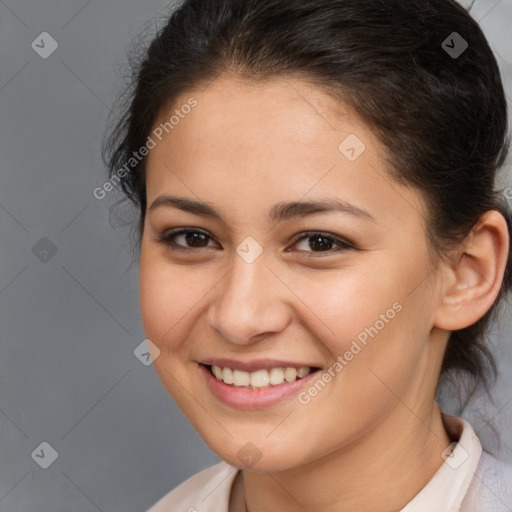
[
  {"x": 312, "y": 242},
  {"x": 196, "y": 238},
  {"x": 322, "y": 242}
]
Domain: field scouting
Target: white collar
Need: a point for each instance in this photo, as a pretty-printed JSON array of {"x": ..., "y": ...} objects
[
  {"x": 210, "y": 490},
  {"x": 447, "y": 488}
]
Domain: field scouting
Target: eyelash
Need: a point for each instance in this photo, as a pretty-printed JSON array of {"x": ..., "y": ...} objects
[{"x": 169, "y": 237}]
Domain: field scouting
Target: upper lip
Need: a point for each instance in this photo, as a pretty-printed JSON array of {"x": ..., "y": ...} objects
[{"x": 255, "y": 365}]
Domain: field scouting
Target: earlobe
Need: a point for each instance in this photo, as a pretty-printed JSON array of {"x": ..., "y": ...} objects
[{"x": 476, "y": 276}]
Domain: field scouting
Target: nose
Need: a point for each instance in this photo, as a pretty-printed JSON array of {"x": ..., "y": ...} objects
[{"x": 250, "y": 302}]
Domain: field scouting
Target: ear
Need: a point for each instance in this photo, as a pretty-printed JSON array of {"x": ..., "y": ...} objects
[{"x": 474, "y": 279}]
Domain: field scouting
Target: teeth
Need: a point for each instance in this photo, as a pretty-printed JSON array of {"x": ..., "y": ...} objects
[
  {"x": 241, "y": 378},
  {"x": 217, "y": 371},
  {"x": 227, "y": 376},
  {"x": 276, "y": 376},
  {"x": 259, "y": 378},
  {"x": 302, "y": 372},
  {"x": 290, "y": 374}
]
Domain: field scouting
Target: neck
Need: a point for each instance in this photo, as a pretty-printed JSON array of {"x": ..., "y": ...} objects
[{"x": 405, "y": 449}]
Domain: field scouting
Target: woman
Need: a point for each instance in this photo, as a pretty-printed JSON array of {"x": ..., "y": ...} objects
[{"x": 321, "y": 244}]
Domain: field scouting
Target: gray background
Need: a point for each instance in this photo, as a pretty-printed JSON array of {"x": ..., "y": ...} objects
[{"x": 68, "y": 294}]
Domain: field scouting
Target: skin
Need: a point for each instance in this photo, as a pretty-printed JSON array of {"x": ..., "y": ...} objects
[{"x": 373, "y": 437}]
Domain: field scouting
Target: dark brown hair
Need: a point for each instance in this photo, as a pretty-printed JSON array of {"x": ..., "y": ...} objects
[{"x": 442, "y": 118}]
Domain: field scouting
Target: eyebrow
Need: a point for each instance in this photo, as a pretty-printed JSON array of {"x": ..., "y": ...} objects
[{"x": 278, "y": 213}]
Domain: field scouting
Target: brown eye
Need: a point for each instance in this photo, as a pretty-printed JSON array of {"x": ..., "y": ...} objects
[
  {"x": 322, "y": 242},
  {"x": 185, "y": 239}
]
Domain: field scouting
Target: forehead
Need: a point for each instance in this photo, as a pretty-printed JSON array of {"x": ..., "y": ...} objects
[
  {"x": 256, "y": 112},
  {"x": 258, "y": 142}
]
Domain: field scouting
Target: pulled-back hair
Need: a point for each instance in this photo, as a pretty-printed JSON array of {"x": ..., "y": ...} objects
[{"x": 441, "y": 117}]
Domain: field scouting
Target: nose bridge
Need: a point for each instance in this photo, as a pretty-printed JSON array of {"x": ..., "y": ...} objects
[{"x": 247, "y": 303}]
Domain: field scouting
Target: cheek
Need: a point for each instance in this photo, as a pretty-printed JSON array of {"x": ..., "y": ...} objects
[
  {"x": 369, "y": 321},
  {"x": 347, "y": 305},
  {"x": 167, "y": 296}
]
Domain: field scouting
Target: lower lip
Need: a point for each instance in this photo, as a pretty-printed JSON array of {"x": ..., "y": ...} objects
[{"x": 243, "y": 398}]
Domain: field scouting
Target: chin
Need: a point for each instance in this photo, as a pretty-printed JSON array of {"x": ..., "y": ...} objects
[{"x": 256, "y": 456}]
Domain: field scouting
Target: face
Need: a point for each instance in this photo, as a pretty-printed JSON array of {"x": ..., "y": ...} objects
[{"x": 274, "y": 239}]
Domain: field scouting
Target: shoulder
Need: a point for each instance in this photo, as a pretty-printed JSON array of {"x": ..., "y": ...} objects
[
  {"x": 491, "y": 486},
  {"x": 203, "y": 491}
]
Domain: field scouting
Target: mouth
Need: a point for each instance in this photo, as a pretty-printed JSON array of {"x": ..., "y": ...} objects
[
  {"x": 256, "y": 385},
  {"x": 260, "y": 379}
]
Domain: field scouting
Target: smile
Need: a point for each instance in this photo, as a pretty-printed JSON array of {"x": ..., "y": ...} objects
[
  {"x": 255, "y": 389},
  {"x": 260, "y": 378}
]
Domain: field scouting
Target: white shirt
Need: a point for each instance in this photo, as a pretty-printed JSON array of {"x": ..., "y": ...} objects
[{"x": 470, "y": 480}]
